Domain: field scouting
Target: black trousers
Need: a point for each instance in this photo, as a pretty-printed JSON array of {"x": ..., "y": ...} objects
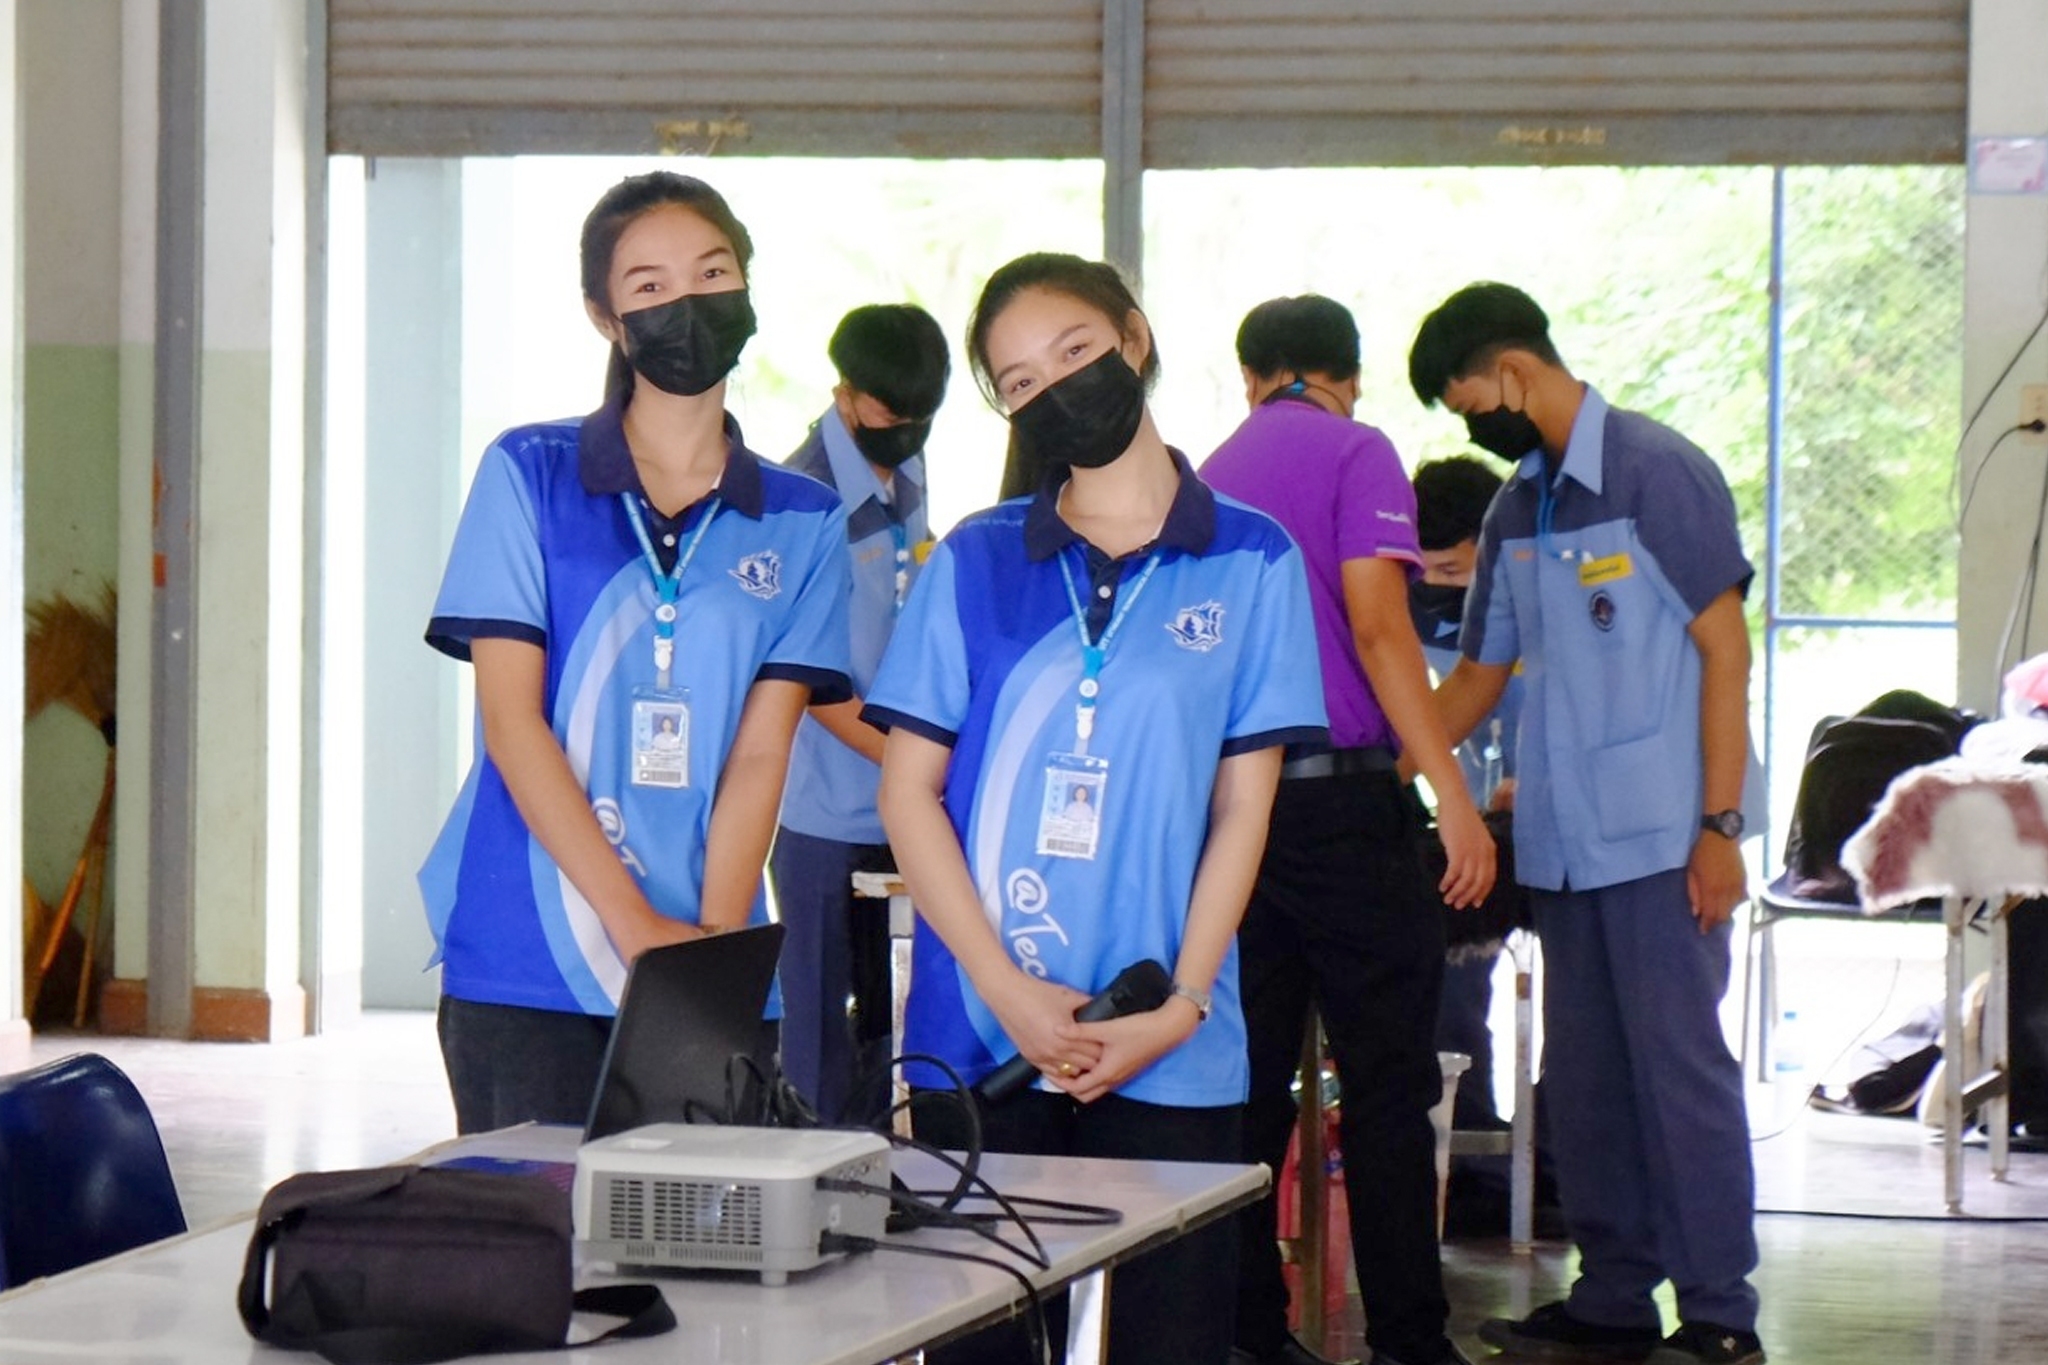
[
  {"x": 1340, "y": 918},
  {"x": 508, "y": 1064},
  {"x": 1169, "y": 1306}
]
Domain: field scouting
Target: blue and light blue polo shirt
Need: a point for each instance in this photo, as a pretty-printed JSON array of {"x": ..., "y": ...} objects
[
  {"x": 546, "y": 552},
  {"x": 831, "y": 791},
  {"x": 1591, "y": 578},
  {"x": 1212, "y": 658}
]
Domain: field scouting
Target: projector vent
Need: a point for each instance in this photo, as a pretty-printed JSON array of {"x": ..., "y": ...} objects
[{"x": 697, "y": 1213}]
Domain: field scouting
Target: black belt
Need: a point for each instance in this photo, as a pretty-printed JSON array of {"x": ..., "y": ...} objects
[{"x": 1340, "y": 763}]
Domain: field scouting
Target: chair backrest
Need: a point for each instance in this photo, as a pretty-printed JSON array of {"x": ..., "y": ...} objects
[
  {"x": 82, "y": 1170},
  {"x": 1849, "y": 763}
]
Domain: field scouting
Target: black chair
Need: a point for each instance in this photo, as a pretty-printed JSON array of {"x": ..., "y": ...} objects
[
  {"x": 82, "y": 1170},
  {"x": 1850, "y": 760}
]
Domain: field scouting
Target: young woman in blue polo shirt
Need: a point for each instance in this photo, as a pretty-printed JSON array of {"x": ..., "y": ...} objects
[
  {"x": 648, "y": 607},
  {"x": 1121, "y": 633}
]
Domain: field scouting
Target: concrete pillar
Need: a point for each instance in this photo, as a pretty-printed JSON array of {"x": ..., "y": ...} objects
[
  {"x": 2006, "y": 243},
  {"x": 13, "y": 1028},
  {"x": 412, "y": 489},
  {"x": 238, "y": 906}
]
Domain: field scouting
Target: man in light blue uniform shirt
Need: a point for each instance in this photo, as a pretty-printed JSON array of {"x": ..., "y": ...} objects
[
  {"x": 869, "y": 446},
  {"x": 1610, "y": 567}
]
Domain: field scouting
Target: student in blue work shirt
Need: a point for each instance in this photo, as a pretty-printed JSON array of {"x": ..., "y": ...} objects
[
  {"x": 648, "y": 607},
  {"x": 1611, "y": 569},
  {"x": 1124, "y": 631},
  {"x": 869, "y": 446}
]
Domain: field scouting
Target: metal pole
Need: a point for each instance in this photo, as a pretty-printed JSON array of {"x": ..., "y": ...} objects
[
  {"x": 181, "y": 102},
  {"x": 1123, "y": 136}
]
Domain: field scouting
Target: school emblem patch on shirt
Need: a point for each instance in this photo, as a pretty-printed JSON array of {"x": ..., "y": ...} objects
[
  {"x": 760, "y": 575},
  {"x": 1198, "y": 628}
]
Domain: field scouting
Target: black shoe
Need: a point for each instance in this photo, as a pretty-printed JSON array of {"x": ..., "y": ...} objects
[
  {"x": 1552, "y": 1333},
  {"x": 1289, "y": 1352},
  {"x": 1705, "y": 1343},
  {"x": 1450, "y": 1355}
]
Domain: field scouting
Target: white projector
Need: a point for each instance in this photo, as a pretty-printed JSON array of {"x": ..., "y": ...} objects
[{"x": 724, "y": 1197}]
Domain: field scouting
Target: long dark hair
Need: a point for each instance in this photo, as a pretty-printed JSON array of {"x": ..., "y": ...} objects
[
  {"x": 613, "y": 213},
  {"x": 1095, "y": 283}
]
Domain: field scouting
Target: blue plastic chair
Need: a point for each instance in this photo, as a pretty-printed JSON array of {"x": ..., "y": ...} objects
[{"x": 82, "y": 1170}]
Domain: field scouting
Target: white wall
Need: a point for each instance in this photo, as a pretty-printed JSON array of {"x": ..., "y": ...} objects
[{"x": 2005, "y": 293}]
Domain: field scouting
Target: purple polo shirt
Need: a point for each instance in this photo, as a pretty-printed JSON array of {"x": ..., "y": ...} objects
[{"x": 1339, "y": 489}]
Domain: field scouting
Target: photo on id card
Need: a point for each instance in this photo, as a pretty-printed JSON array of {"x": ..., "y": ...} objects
[
  {"x": 661, "y": 740},
  {"x": 1070, "y": 819}
]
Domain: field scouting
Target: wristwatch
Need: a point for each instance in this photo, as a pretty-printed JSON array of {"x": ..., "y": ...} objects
[
  {"x": 1199, "y": 999},
  {"x": 1726, "y": 823}
]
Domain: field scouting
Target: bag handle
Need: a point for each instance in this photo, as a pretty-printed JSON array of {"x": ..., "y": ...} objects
[{"x": 645, "y": 1310}]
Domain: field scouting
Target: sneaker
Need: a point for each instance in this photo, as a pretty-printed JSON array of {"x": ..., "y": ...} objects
[
  {"x": 1552, "y": 1333},
  {"x": 1706, "y": 1343}
]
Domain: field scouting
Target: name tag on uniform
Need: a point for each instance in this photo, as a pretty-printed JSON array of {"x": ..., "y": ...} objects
[
  {"x": 661, "y": 737},
  {"x": 1594, "y": 572},
  {"x": 1070, "y": 820}
]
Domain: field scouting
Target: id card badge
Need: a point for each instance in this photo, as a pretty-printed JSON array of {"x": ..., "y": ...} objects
[
  {"x": 1070, "y": 821},
  {"x": 661, "y": 737}
]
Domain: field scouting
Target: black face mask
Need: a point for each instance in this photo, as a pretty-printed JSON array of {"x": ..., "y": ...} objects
[
  {"x": 1437, "y": 609},
  {"x": 1510, "y": 435},
  {"x": 1088, "y": 418},
  {"x": 888, "y": 447},
  {"x": 687, "y": 345}
]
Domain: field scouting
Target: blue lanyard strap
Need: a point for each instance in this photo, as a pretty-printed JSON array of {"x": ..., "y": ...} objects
[
  {"x": 667, "y": 586},
  {"x": 901, "y": 540},
  {"x": 1546, "y": 512},
  {"x": 1095, "y": 652}
]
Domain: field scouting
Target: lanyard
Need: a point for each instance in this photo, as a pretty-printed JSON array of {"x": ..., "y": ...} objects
[
  {"x": 1546, "y": 509},
  {"x": 901, "y": 540},
  {"x": 1093, "y": 654},
  {"x": 666, "y": 586}
]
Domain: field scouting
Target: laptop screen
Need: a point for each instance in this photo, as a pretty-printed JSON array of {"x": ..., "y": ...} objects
[{"x": 689, "y": 1044}]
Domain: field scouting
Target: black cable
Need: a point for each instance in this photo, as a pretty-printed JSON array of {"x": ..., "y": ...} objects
[
  {"x": 1063, "y": 1213},
  {"x": 2029, "y": 577},
  {"x": 925, "y": 1215},
  {"x": 2003, "y": 375},
  {"x": 975, "y": 1179},
  {"x": 1957, "y": 1218},
  {"x": 970, "y": 1110},
  {"x": 1034, "y": 1312},
  {"x": 1970, "y": 493}
]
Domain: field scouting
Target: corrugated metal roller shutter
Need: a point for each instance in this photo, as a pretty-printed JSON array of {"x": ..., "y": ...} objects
[
  {"x": 1478, "y": 82},
  {"x": 1227, "y": 82},
  {"x": 763, "y": 77}
]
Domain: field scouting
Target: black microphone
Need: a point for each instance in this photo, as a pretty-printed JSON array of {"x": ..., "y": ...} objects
[{"x": 1139, "y": 987}]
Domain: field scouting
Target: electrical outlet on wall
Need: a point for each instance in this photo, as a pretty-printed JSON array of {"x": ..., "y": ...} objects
[{"x": 2034, "y": 408}]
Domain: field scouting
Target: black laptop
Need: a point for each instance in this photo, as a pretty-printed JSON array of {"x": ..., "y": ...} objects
[{"x": 689, "y": 1043}]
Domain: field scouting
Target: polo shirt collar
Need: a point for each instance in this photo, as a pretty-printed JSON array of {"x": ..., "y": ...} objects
[
  {"x": 1190, "y": 522},
  {"x": 1585, "y": 451},
  {"x": 605, "y": 462},
  {"x": 856, "y": 479}
]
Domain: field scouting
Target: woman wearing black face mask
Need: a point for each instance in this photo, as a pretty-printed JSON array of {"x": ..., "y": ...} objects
[
  {"x": 1086, "y": 698},
  {"x": 648, "y": 607}
]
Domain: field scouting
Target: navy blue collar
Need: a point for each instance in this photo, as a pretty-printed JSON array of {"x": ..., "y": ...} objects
[
  {"x": 606, "y": 462},
  {"x": 1190, "y": 522}
]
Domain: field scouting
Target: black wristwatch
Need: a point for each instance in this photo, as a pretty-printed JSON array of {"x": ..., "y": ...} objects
[{"x": 1726, "y": 823}]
